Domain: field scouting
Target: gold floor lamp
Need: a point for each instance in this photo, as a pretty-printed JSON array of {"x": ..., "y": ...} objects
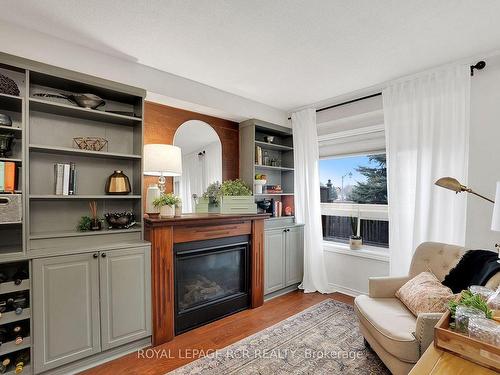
[{"x": 451, "y": 183}]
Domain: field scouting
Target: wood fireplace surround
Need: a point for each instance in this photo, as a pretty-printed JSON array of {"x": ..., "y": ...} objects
[{"x": 164, "y": 233}]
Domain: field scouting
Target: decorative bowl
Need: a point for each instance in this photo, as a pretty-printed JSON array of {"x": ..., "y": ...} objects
[
  {"x": 87, "y": 100},
  {"x": 269, "y": 138},
  {"x": 5, "y": 120},
  {"x": 264, "y": 204},
  {"x": 120, "y": 220},
  {"x": 90, "y": 143}
]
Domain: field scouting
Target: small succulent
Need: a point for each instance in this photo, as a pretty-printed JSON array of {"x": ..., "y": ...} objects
[
  {"x": 168, "y": 199},
  {"x": 213, "y": 192}
]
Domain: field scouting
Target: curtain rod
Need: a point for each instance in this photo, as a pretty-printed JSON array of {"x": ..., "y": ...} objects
[{"x": 479, "y": 66}]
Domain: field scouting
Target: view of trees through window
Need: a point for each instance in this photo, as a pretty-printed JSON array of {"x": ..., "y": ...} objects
[{"x": 355, "y": 186}]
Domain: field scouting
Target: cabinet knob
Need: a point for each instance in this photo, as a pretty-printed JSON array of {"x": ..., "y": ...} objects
[
  {"x": 95, "y": 255},
  {"x": 103, "y": 255}
]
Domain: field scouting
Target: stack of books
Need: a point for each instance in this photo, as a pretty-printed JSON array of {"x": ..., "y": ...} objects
[
  {"x": 276, "y": 208},
  {"x": 274, "y": 189},
  {"x": 10, "y": 177},
  {"x": 65, "y": 179}
]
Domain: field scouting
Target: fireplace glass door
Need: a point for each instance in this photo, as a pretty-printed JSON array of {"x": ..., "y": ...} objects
[{"x": 211, "y": 279}]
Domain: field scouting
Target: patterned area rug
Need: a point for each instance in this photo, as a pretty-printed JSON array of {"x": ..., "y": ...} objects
[{"x": 324, "y": 339}]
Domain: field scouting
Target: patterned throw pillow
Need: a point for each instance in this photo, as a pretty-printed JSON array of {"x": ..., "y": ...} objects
[{"x": 425, "y": 294}]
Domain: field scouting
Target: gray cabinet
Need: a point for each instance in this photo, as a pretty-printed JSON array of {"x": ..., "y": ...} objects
[
  {"x": 294, "y": 255},
  {"x": 274, "y": 260},
  {"x": 283, "y": 257},
  {"x": 87, "y": 303},
  {"x": 66, "y": 310},
  {"x": 125, "y": 281}
]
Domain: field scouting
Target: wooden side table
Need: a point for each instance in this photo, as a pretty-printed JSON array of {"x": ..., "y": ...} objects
[{"x": 438, "y": 362}]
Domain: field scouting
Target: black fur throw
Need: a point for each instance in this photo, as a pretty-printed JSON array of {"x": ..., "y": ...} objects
[
  {"x": 8, "y": 86},
  {"x": 475, "y": 268}
]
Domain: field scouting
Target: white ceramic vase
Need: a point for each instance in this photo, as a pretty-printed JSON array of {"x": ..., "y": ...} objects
[
  {"x": 167, "y": 211},
  {"x": 178, "y": 210},
  {"x": 152, "y": 193}
]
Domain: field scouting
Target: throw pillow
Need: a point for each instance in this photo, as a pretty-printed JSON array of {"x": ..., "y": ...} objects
[{"x": 425, "y": 294}]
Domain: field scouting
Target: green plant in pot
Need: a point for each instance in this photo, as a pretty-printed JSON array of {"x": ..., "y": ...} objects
[
  {"x": 355, "y": 241},
  {"x": 230, "y": 197},
  {"x": 166, "y": 203}
]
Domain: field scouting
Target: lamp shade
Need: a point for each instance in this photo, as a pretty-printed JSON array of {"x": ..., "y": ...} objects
[
  {"x": 162, "y": 160},
  {"x": 495, "y": 221},
  {"x": 449, "y": 183}
]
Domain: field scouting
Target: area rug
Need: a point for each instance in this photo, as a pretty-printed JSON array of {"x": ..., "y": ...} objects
[{"x": 324, "y": 339}]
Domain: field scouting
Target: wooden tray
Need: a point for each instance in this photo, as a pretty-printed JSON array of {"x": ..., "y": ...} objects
[{"x": 482, "y": 353}]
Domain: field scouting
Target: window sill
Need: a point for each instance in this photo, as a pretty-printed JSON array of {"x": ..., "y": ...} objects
[{"x": 369, "y": 252}]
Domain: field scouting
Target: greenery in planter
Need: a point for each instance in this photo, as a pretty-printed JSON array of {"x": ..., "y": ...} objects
[
  {"x": 168, "y": 199},
  {"x": 234, "y": 188},
  {"x": 85, "y": 223},
  {"x": 213, "y": 192},
  {"x": 354, "y": 228},
  {"x": 470, "y": 300},
  {"x": 229, "y": 188}
]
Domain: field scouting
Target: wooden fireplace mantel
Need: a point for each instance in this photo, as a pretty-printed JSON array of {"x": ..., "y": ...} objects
[{"x": 164, "y": 233}]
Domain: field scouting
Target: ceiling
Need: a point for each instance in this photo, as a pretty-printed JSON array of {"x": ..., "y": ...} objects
[{"x": 283, "y": 53}]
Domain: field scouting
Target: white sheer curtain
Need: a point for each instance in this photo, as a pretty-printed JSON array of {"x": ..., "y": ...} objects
[
  {"x": 212, "y": 164},
  {"x": 427, "y": 135},
  {"x": 307, "y": 199}
]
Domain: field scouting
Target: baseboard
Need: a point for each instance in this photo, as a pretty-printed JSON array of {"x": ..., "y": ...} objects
[
  {"x": 345, "y": 290},
  {"x": 280, "y": 292}
]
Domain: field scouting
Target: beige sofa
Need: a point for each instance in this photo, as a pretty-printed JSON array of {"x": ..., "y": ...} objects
[{"x": 393, "y": 332}]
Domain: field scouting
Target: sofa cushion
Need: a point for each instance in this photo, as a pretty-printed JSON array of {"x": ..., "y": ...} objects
[
  {"x": 425, "y": 294},
  {"x": 391, "y": 324}
]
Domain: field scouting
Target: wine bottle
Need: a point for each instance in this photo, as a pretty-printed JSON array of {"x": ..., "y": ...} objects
[
  {"x": 4, "y": 365},
  {"x": 18, "y": 333},
  {"x": 18, "y": 303},
  {"x": 19, "y": 276},
  {"x": 21, "y": 361}
]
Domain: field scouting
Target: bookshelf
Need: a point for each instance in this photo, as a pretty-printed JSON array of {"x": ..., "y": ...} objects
[
  {"x": 44, "y": 128},
  {"x": 253, "y": 134}
]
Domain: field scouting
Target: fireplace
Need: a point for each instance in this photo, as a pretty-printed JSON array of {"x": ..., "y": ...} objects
[{"x": 212, "y": 280}]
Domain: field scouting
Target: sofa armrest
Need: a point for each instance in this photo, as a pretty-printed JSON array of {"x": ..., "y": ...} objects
[
  {"x": 424, "y": 331},
  {"x": 385, "y": 287}
]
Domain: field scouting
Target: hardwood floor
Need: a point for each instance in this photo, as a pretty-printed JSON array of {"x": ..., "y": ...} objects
[{"x": 215, "y": 335}]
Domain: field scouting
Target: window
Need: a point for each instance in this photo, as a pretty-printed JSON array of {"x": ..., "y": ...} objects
[{"x": 354, "y": 198}]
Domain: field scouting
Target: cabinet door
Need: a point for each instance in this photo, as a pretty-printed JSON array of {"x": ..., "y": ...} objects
[
  {"x": 65, "y": 309},
  {"x": 274, "y": 259},
  {"x": 125, "y": 277},
  {"x": 294, "y": 255}
]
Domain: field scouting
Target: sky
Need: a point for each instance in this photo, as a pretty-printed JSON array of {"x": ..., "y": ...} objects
[{"x": 335, "y": 168}]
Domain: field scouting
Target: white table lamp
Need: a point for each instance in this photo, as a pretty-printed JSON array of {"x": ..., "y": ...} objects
[
  {"x": 495, "y": 220},
  {"x": 162, "y": 161}
]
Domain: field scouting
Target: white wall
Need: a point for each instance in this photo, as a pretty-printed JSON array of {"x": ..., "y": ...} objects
[
  {"x": 349, "y": 273},
  {"x": 484, "y": 151},
  {"x": 162, "y": 87}
]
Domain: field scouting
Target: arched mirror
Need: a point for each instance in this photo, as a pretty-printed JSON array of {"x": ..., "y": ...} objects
[{"x": 201, "y": 161}]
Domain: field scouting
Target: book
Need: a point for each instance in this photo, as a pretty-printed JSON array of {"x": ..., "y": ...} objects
[
  {"x": 258, "y": 155},
  {"x": 66, "y": 179},
  {"x": 19, "y": 179},
  {"x": 2, "y": 175},
  {"x": 71, "y": 178},
  {"x": 58, "y": 178},
  {"x": 9, "y": 176}
]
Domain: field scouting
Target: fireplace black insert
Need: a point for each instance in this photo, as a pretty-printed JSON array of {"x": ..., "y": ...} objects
[{"x": 212, "y": 280}]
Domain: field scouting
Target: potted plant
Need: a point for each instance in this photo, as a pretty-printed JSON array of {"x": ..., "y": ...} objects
[
  {"x": 166, "y": 203},
  {"x": 230, "y": 197},
  {"x": 92, "y": 222},
  {"x": 355, "y": 241}
]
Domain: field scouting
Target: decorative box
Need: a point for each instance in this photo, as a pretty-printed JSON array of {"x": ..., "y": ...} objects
[{"x": 11, "y": 208}]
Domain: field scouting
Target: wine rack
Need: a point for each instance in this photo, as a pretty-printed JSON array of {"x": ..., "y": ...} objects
[{"x": 15, "y": 318}]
